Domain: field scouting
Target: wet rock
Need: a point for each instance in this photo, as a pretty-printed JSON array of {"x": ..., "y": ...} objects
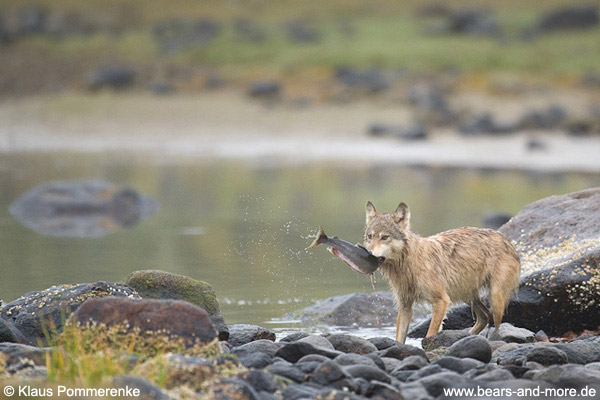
[
  {"x": 292, "y": 337},
  {"x": 353, "y": 359},
  {"x": 475, "y": 347},
  {"x": 412, "y": 363},
  {"x": 246, "y": 30},
  {"x": 581, "y": 351},
  {"x": 356, "y": 309},
  {"x": 415, "y": 131},
  {"x": 152, "y": 319},
  {"x": 383, "y": 342},
  {"x": 301, "y": 32},
  {"x": 573, "y": 17},
  {"x": 110, "y": 77},
  {"x": 8, "y": 333},
  {"x": 414, "y": 391},
  {"x": 485, "y": 124},
  {"x": 541, "y": 336},
  {"x": 81, "y": 208},
  {"x": 232, "y": 388},
  {"x": 381, "y": 390},
  {"x": 510, "y": 334},
  {"x": 368, "y": 81},
  {"x": 46, "y": 310},
  {"x": 551, "y": 117},
  {"x": 308, "y": 366},
  {"x": 177, "y": 34},
  {"x": 147, "y": 390},
  {"x": 315, "y": 358},
  {"x": 495, "y": 375},
  {"x": 294, "y": 351},
  {"x": 367, "y": 372},
  {"x": 255, "y": 360},
  {"x": 495, "y": 220},
  {"x": 436, "y": 383},
  {"x": 459, "y": 365},
  {"x": 240, "y": 334},
  {"x": 156, "y": 284},
  {"x": 431, "y": 104},
  {"x": 258, "y": 346},
  {"x": 401, "y": 351},
  {"x": 20, "y": 356},
  {"x": 390, "y": 363},
  {"x": 327, "y": 372},
  {"x": 445, "y": 338},
  {"x": 457, "y": 318},
  {"x": 296, "y": 392},
  {"x": 547, "y": 356},
  {"x": 318, "y": 341},
  {"x": 261, "y": 381},
  {"x": 579, "y": 377},
  {"x": 351, "y": 344},
  {"x": 291, "y": 372},
  {"x": 265, "y": 90}
]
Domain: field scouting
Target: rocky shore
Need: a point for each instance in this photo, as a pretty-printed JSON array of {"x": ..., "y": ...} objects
[{"x": 164, "y": 335}]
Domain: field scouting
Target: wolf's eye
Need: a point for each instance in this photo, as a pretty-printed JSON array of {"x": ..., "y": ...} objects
[
  {"x": 369, "y": 236},
  {"x": 385, "y": 237}
]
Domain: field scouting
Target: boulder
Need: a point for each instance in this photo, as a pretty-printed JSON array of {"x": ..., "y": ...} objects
[
  {"x": 510, "y": 334},
  {"x": 39, "y": 315},
  {"x": 351, "y": 344},
  {"x": 156, "y": 284},
  {"x": 113, "y": 319},
  {"x": 240, "y": 334},
  {"x": 445, "y": 338},
  {"x": 557, "y": 239},
  {"x": 573, "y": 17},
  {"x": 10, "y": 334},
  {"x": 355, "y": 309},
  {"x": 476, "y": 347},
  {"x": 115, "y": 77},
  {"x": 87, "y": 208},
  {"x": 265, "y": 89}
]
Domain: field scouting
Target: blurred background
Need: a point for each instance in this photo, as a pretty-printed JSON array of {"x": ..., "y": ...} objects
[{"x": 247, "y": 124}]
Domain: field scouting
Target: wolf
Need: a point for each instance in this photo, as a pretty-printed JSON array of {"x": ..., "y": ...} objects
[{"x": 448, "y": 267}]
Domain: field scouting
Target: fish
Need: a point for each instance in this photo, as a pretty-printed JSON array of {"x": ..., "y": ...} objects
[{"x": 354, "y": 255}]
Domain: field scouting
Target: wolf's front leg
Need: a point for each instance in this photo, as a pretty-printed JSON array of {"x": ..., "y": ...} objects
[
  {"x": 402, "y": 322},
  {"x": 437, "y": 315}
]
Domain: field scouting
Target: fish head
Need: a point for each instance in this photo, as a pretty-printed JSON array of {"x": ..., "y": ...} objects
[{"x": 385, "y": 234}]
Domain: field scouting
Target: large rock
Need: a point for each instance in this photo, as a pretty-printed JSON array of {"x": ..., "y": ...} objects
[
  {"x": 355, "y": 309},
  {"x": 10, "y": 334},
  {"x": 152, "y": 320},
  {"x": 81, "y": 208},
  {"x": 156, "y": 284},
  {"x": 40, "y": 314},
  {"x": 580, "y": 16},
  {"x": 116, "y": 77},
  {"x": 241, "y": 334},
  {"x": 558, "y": 241}
]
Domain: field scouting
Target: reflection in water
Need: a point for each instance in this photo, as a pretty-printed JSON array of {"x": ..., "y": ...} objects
[
  {"x": 81, "y": 208},
  {"x": 245, "y": 229}
]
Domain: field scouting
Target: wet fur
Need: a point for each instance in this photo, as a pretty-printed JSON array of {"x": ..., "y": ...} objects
[{"x": 452, "y": 266}]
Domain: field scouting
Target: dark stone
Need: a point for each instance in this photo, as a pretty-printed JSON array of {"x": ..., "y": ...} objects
[
  {"x": 550, "y": 118},
  {"x": 294, "y": 351},
  {"x": 258, "y": 346},
  {"x": 240, "y": 334},
  {"x": 382, "y": 342},
  {"x": 401, "y": 351},
  {"x": 31, "y": 19},
  {"x": 156, "y": 284},
  {"x": 495, "y": 220},
  {"x": 148, "y": 391},
  {"x": 248, "y": 31},
  {"x": 356, "y": 309},
  {"x": 541, "y": 336},
  {"x": 476, "y": 347},
  {"x": 479, "y": 370},
  {"x": 287, "y": 371},
  {"x": 351, "y": 344},
  {"x": 547, "y": 355},
  {"x": 296, "y": 392},
  {"x": 513, "y": 356},
  {"x": 46, "y": 310},
  {"x": 416, "y": 131},
  {"x": 233, "y": 388},
  {"x": 301, "y": 32},
  {"x": 445, "y": 338},
  {"x": 485, "y": 124},
  {"x": 255, "y": 360},
  {"x": 381, "y": 390},
  {"x": 457, "y": 318},
  {"x": 435, "y": 384},
  {"x": 367, "y": 372},
  {"x": 266, "y": 90},
  {"x": 81, "y": 208},
  {"x": 161, "y": 88},
  {"x": 431, "y": 104},
  {"x": 414, "y": 391},
  {"x": 318, "y": 341},
  {"x": 327, "y": 372},
  {"x": 354, "y": 359},
  {"x": 495, "y": 375},
  {"x": 176, "y": 34},
  {"x": 315, "y": 357},
  {"x": 511, "y": 334},
  {"x": 581, "y": 352},
  {"x": 472, "y": 22},
  {"x": 110, "y": 77},
  {"x": 308, "y": 366},
  {"x": 8, "y": 333},
  {"x": 262, "y": 395},
  {"x": 431, "y": 369},
  {"x": 19, "y": 356},
  {"x": 377, "y": 360},
  {"x": 412, "y": 363},
  {"x": 292, "y": 337},
  {"x": 579, "y": 377},
  {"x": 459, "y": 365},
  {"x": 573, "y": 17},
  {"x": 175, "y": 318},
  {"x": 367, "y": 81}
]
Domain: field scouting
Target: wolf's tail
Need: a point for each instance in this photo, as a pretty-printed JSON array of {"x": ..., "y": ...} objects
[{"x": 321, "y": 238}]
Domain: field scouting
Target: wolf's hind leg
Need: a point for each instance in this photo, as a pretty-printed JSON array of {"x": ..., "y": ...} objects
[{"x": 483, "y": 316}]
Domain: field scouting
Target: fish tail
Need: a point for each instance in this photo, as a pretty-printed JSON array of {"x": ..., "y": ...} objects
[{"x": 321, "y": 238}]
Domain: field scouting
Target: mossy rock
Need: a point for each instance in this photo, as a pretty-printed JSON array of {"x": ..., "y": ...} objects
[{"x": 156, "y": 284}]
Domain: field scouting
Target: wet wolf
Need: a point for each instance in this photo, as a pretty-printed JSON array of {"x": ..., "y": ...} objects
[{"x": 451, "y": 266}]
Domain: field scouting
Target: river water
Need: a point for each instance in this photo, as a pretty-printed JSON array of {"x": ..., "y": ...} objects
[{"x": 244, "y": 227}]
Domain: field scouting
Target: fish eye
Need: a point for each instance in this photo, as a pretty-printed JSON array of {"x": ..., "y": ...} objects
[{"x": 385, "y": 237}]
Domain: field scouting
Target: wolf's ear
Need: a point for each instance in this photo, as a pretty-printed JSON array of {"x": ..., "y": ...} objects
[
  {"x": 402, "y": 215},
  {"x": 371, "y": 211}
]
